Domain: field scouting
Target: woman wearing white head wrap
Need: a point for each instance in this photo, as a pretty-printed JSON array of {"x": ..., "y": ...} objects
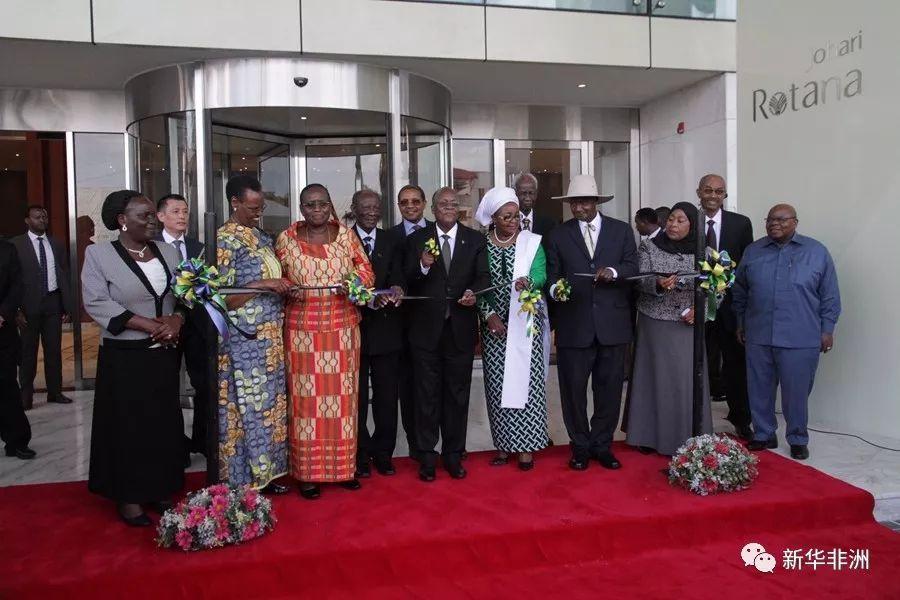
[{"x": 513, "y": 346}]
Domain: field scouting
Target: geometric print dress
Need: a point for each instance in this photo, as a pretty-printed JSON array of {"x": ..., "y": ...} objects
[{"x": 513, "y": 429}]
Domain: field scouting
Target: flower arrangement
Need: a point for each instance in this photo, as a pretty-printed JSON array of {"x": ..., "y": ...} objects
[
  {"x": 357, "y": 292},
  {"x": 712, "y": 463},
  {"x": 195, "y": 282},
  {"x": 530, "y": 298},
  {"x": 431, "y": 246},
  {"x": 718, "y": 276},
  {"x": 215, "y": 516},
  {"x": 562, "y": 290}
]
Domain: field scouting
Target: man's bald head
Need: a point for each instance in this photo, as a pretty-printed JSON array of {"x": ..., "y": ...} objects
[{"x": 712, "y": 193}]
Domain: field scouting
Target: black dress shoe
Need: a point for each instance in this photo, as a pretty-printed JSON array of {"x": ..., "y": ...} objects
[
  {"x": 310, "y": 491},
  {"x": 578, "y": 464},
  {"x": 60, "y": 399},
  {"x": 499, "y": 461},
  {"x": 275, "y": 489},
  {"x": 745, "y": 432},
  {"x": 24, "y": 452},
  {"x": 426, "y": 473},
  {"x": 363, "y": 470},
  {"x": 384, "y": 466},
  {"x": 526, "y": 465},
  {"x": 456, "y": 471},
  {"x": 646, "y": 450},
  {"x": 762, "y": 444},
  {"x": 799, "y": 451},
  {"x": 353, "y": 484},
  {"x": 139, "y": 520},
  {"x": 608, "y": 460}
]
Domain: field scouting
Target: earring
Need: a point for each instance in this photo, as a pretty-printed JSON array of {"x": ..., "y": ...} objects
[{"x": 124, "y": 228}]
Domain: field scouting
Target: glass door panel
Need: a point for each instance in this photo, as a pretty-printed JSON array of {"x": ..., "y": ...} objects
[
  {"x": 347, "y": 165},
  {"x": 612, "y": 175},
  {"x": 553, "y": 164}
]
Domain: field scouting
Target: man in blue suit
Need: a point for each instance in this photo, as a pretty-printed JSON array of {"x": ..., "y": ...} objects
[{"x": 594, "y": 326}]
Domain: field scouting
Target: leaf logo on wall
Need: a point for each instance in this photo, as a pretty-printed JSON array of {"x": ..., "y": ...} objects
[{"x": 778, "y": 103}]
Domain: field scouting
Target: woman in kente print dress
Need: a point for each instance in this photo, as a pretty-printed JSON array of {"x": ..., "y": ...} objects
[
  {"x": 513, "y": 347},
  {"x": 252, "y": 395},
  {"x": 322, "y": 336}
]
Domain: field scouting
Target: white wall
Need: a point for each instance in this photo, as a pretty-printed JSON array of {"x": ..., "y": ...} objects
[
  {"x": 836, "y": 162},
  {"x": 64, "y": 20},
  {"x": 672, "y": 163}
]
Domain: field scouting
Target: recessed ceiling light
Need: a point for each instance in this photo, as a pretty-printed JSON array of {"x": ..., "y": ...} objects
[
  {"x": 582, "y": 85},
  {"x": 17, "y": 155},
  {"x": 303, "y": 118}
]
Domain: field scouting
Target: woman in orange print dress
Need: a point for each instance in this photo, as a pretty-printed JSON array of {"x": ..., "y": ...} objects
[{"x": 321, "y": 342}]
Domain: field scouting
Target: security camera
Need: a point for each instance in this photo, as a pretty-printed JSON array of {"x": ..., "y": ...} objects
[{"x": 301, "y": 81}]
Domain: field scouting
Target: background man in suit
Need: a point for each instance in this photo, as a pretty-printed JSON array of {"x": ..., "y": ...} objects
[
  {"x": 646, "y": 221},
  {"x": 173, "y": 214},
  {"x": 729, "y": 231},
  {"x": 411, "y": 202},
  {"x": 15, "y": 431},
  {"x": 594, "y": 327},
  {"x": 46, "y": 305},
  {"x": 662, "y": 215},
  {"x": 442, "y": 332},
  {"x": 526, "y": 186},
  {"x": 382, "y": 337}
]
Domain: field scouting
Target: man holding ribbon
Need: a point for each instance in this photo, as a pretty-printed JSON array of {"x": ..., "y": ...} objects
[{"x": 513, "y": 326}]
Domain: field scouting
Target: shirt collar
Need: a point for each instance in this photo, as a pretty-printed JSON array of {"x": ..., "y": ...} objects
[
  {"x": 169, "y": 238},
  {"x": 595, "y": 222},
  {"x": 408, "y": 225},
  {"x": 33, "y": 236},
  {"x": 362, "y": 233},
  {"x": 717, "y": 218},
  {"x": 797, "y": 239},
  {"x": 655, "y": 233},
  {"x": 451, "y": 233}
]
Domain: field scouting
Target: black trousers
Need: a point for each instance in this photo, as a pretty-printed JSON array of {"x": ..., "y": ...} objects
[
  {"x": 443, "y": 377},
  {"x": 382, "y": 370},
  {"x": 44, "y": 326},
  {"x": 605, "y": 366},
  {"x": 196, "y": 355},
  {"x": 715, "y": 359},
  {"x": 407, "y": 389},
  {"x": 15, "y": 430},
  {"x": 734, "y": 374}
]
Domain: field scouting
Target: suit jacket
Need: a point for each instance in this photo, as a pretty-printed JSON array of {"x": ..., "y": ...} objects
[
  {"x": 602, "y": 311},
  {"x": 735, "y": 235},
  {"x": 401, "y": 230},
  {"x": 195, "y": 323},
  {"x": 468, "y": 270},
  {"x": 382, "y": 329},
  {"x": 10, "y": 301},
  {"x": 31, "y": 274},
  {"x": 194, "y": 246}
]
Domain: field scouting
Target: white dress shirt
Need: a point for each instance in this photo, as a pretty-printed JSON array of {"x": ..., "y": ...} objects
[
  {"x": 52, "y": 284},
  {"x": 170, "y": 239},
  {"x": 440, "y": 242},
  {"x": 654, "y": 234},
  {"x": 717, "y": 227},
  {"x": 408, "y": 225},
  {"x": 597, "y": 222},
  {"x": 363, "y": 235}
]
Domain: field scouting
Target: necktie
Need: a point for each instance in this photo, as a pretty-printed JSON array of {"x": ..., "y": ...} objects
[
  {"x": 416, "y": 227},
  {"x": 42, "y": 259},
  {"x": 526, "y": 224},
  {"x": 589, "y": 239},
  {"x": 178, "y": 246},
  {"x": 367, "y": 242},
  {"x": 445, "y": 252},
  {"x": 711, "y": 240}
]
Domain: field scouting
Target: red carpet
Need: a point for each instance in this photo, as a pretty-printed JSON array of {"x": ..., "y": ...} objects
[{"x": 500, "y": 533}]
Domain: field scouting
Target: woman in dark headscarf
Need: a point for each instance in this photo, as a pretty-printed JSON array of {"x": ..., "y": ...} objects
[{"x": 660, "y": 415}]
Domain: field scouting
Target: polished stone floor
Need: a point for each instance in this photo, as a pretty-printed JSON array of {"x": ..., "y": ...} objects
[{"x": 61, "y": 437}]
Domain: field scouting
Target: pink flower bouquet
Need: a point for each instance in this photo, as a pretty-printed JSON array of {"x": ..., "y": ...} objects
[
  {"x": 708, "y": 464},
  {"x": 216, "y": 516}
]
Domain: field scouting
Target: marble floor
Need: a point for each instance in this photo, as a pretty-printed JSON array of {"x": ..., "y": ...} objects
[{"x": 61, "y": 437}]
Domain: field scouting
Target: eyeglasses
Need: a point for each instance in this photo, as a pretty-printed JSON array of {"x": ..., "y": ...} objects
[
  {"x": 256, "y": 209},
  {"x": 448, "y": 204},
  {"x": 779, "y": 220},
  {"x": 717, "y": 192},
  {"x": 410, "y": 202},
  {"x": 323, "y": 204},
  {"x": 508, "y": 218}
]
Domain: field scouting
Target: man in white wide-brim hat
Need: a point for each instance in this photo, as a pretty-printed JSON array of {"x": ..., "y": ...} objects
[{"x": 595, "y": 254}]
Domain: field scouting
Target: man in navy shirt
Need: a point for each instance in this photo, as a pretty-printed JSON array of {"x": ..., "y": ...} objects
[{"x": 787, "y": 302}]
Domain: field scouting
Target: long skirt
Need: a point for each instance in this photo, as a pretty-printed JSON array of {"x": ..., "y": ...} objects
[
  {"x": 660, "y": 412},
  {"x": 323, "y": 371},
  {"x": 137, "y": 437}
]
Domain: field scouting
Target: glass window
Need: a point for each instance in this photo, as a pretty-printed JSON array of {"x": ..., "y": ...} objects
[
  {"x": 344, "y": 168},
  {"x": 553, "y": 164},
  {"x": 696, "y": 9},
  {"x": 611, "y": 160},
  {"x": 613, "y": 6},
  {"x": 423, "y": 156},
  {"x": 473, "y": 175}
]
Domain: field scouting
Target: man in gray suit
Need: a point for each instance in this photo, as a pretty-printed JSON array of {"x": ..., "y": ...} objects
[{"x": 46, "y": 305}]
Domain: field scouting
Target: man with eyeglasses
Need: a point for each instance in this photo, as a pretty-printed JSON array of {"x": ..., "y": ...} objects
[
  {"x": 787, "y": 303},
  {"x": 726, "y": 230},
  {"x": 442, "y": 330},
  {"x": 526, "y": 187},
  {"x": 411, "y": 202}
]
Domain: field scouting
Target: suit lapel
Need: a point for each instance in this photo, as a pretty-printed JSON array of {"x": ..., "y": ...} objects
[
  {"x": 575, "y": 231},
  {"x": 459, "y": 249}
]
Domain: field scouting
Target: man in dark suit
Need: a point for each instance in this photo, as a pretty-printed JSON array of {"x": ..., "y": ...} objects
[
  {"x": 733, "y": 232},
  {"x": 46, "y": 305},
  {"x": 411, "y": 202},
  {"x": 526, "y": 186},
  {"x": 15, "y": 431},
  {"x": 173, "y": 214},
  {"x": 382, "y": 337},
  {"x": 594, "y": 327},
  {"x": 443, "y": 330}
]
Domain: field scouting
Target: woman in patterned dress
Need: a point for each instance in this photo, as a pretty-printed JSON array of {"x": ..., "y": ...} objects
[
  {"x": 323, "y": 340},
  {"x": 513, "y": 345},
  {"x": 252, "y": 394}
]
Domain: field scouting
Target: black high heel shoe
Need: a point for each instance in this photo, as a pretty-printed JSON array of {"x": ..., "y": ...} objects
[{"x": 139, "y": 520}]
